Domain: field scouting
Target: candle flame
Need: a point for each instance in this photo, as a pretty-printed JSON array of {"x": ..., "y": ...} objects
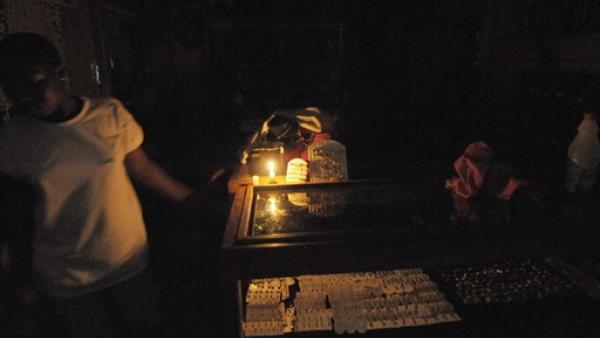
[{"x": 271, "y": 166}]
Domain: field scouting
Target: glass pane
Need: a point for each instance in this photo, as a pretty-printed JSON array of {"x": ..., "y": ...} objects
[{"x": 345, "y": 207}]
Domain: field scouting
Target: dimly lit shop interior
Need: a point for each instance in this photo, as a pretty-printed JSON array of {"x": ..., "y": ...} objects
[{"x": 408, "y": 168}]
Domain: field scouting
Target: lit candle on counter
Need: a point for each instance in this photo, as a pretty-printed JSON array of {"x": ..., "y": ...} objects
[{"x": 271, "y": 166}]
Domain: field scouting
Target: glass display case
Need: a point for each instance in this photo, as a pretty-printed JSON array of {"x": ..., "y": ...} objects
[
  {"x": 397, "y": 216},
  {"x": 288, "y": 232},
  {"x": 338, "y": 208}
]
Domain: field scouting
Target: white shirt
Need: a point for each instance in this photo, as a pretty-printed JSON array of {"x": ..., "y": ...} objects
[{"x": 90, "y": 232}]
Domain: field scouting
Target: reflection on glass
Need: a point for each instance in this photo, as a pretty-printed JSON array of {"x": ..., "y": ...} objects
[
  {"x": 273, "y": 206},
  {"x": 323, "y": 209},
  {"x": 270, "y": 213},
  {"x": 299, "y": 199},
  {"x": 327, "y": 203}
]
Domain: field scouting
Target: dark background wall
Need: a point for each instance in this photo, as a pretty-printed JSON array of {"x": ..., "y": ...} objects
[{"x": 408, "y": 80}]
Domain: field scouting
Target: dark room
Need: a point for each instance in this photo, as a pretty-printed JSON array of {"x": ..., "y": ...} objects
[{"x": 299, "y": 168}]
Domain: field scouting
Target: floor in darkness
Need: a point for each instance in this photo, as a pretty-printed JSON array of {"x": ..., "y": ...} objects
[{"x": 184, "y": 249}]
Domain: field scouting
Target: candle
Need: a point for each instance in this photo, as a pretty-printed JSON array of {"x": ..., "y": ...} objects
[{"x": 271, "y": 166}]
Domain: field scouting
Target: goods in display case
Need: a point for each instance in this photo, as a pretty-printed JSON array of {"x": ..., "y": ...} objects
[
  {"x": 344, "y": 303},
  {"x": 508, "y": 282},
  {"x": 338, "y": 242}
]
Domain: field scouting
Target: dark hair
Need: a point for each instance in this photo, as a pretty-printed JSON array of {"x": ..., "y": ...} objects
[{"x": 22, "y": 53}]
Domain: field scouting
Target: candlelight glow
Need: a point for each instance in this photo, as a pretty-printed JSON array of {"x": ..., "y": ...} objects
[
  {"x": 271, "y": 166},
  {"x": 273, "y": 206}
]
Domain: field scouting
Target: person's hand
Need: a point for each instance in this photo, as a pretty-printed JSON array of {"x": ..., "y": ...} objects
[
  {"x": 211, "y": 197},
  {"x": 195, "y": 202}
]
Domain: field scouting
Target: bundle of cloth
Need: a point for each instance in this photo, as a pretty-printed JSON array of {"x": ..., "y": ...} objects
[
  {"x": 478, "y": 173},
  {"x": 481, "y": 177},
  {"x": 295, "y": 129}
]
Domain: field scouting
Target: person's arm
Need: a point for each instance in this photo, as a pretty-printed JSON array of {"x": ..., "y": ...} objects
[{"x": 151, "y": 175}]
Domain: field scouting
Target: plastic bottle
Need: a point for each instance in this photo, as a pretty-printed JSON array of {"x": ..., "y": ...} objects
[
  {"x": 327, "y": 162},
  {"x": 584, "y": 156}
]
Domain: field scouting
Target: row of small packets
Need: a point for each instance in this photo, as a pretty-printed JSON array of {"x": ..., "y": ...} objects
[
  {"x": 345, "y": 303},
  {"x": 507, "y": 282}
]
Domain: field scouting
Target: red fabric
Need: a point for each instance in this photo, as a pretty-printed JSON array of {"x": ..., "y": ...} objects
[
  {"x": 472, "y": 167},
  {"x": 300, "y": 149},
  {"x": 295, "y": 152},
  {"x": 509, "y": 189},
  {"x": 321, "y": 137}
]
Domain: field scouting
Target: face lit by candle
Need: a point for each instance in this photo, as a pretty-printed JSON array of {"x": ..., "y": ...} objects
[{"x": 271, "y": 166}]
